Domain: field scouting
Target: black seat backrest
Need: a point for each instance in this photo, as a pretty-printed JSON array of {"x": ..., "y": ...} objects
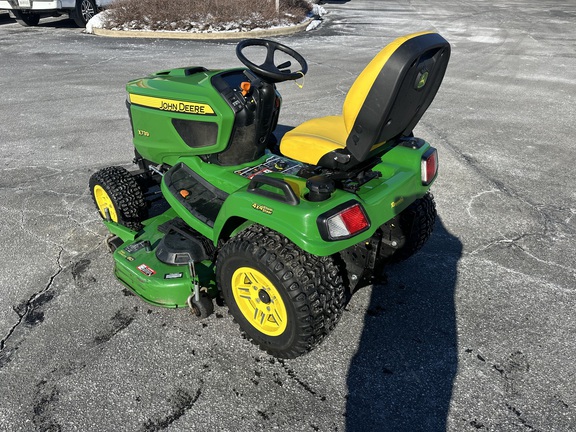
[{"x": 392, "y": 93}]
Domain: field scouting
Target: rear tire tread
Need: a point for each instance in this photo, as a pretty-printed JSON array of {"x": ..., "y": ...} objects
[
  {"x": 417, "y": 220},
  {"x": 314, "y": 285}
]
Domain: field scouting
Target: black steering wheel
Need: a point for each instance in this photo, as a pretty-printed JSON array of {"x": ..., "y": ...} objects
[{"x": 268, "y": 69}]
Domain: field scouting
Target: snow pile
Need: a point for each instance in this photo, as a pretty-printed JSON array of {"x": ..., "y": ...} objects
[
  {"x": 316, "y": 13},
  {"x": 97, "y": 21}
]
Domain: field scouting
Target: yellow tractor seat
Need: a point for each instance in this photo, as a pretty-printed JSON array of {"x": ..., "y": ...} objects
[
  {"x": 314, "y": 138},
  {"x": 385, "y": 103}
]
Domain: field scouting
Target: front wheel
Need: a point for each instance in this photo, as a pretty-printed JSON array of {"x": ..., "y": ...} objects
[
  {"x": 84, "y": 10},
  {"x": 27, "y": 19},
  {"x": 118, "y": 197},
  {"x": 284, "y": 299},
  {"x": 203, "y": 307}
]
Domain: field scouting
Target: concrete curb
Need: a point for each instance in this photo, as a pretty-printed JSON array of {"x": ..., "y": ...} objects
[{"x": 281, "y": 31}]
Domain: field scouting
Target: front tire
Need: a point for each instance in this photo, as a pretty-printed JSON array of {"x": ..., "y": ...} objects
[
  {"x": 84, "y": 10},
  {"x": 284, "y": 299},
  {"x": 118, "y": 196},
  {"x": 26, "y": 19}
]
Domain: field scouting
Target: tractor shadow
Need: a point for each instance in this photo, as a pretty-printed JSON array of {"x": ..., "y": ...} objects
[{"x": 401, "y": 377}]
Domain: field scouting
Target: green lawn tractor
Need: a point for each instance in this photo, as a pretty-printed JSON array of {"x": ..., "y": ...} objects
[{"x": 281, "y": 228}]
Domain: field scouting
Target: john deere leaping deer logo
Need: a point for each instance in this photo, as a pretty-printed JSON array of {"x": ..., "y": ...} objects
[{"x": 422, "y": 80}]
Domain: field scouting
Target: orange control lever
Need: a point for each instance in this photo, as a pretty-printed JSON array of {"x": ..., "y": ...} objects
[{"x": 245, "y": 86}]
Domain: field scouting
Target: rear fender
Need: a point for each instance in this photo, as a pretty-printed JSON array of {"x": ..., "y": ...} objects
[{"x": 296, "y": 222}]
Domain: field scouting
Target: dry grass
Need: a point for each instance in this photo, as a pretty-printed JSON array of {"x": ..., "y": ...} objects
[{"x": 203, "y": 15}]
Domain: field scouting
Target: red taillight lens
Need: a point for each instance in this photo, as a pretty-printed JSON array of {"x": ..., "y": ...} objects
[
  {"x": 429, "y": 166},
  {"x": 354, "y": 219},
  {"x": 346, "y": 223}
]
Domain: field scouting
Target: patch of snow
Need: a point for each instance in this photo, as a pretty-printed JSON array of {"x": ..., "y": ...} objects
[
  {"x": 314, "y": 24},
  {"x": 318, "y": 11},
  {"x": 97, "y": 21}
]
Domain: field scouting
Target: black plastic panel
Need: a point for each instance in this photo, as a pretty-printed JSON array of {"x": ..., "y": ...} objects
[
  {"x": 402, "y": 92},
  {"x": 203, "y": 200}
]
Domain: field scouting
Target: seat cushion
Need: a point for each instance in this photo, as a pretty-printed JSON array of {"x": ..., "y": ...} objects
[{"x": 314, "y": 138}]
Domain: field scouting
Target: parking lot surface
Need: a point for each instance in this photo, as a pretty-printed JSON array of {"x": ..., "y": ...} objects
[{"x": 475, "y": 332}]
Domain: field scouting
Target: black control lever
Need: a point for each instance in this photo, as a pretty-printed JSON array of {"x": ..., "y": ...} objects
[{"x": 284, "y": 65}]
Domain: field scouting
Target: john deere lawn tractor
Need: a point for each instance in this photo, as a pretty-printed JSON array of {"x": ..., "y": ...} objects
[{"x": 282, "y": 229}]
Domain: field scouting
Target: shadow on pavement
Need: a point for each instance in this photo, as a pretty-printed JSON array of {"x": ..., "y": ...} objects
[
  {"x": 58, "y": 22},
  {"x": 5, "y": 18},
  {"x": 48, "y": 21},
  {"x": 400, "y": 379}
]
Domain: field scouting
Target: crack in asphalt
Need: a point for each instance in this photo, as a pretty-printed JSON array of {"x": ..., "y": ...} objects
[
  {"x": 542, "y": 281},
  {"x": 572, "y": 213},
  {"x": 95, "y": 218},
  {"x": 87, "y": 66},
  {"x": 553, "y": 223},
  {"x": 27, "y": 308},
  {"x": 514, "y": 243},
  {"x": 497, "y": 185},
  {"x": 25, "y": 211},
  {"x": 475, "y": 197}
]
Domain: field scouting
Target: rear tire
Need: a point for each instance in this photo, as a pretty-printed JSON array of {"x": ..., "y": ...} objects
[
  {"x": 84, "y": 10},
  {"x": 284, "y": 299},
  {"x": 114, "y": 189},
  {"x": 416, "y": 223},
  {"x": 26, "y": 19}
]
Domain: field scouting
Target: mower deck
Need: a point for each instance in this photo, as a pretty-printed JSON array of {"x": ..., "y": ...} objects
[{"x": 167, "y": 285}]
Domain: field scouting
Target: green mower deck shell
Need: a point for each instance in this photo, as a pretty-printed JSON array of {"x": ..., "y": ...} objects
[
  {"x": 382, "y": 199},
  {"x": 155, "y": 282},
  {"x": 185, "y": 96}
]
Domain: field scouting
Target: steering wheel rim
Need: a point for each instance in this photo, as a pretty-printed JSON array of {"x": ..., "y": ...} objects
[{"x": 268, "y": 69}]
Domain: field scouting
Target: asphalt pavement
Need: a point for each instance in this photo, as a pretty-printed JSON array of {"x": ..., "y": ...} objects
[{"x": 475, "y": 332}]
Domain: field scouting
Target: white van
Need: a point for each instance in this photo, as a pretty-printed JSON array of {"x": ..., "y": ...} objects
[{"x": 29, "y": 12}]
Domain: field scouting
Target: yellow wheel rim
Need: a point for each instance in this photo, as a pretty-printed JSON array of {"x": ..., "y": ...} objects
[
  {"x": 103, "y": 201},
  {"x": 259, "y": 301}
]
